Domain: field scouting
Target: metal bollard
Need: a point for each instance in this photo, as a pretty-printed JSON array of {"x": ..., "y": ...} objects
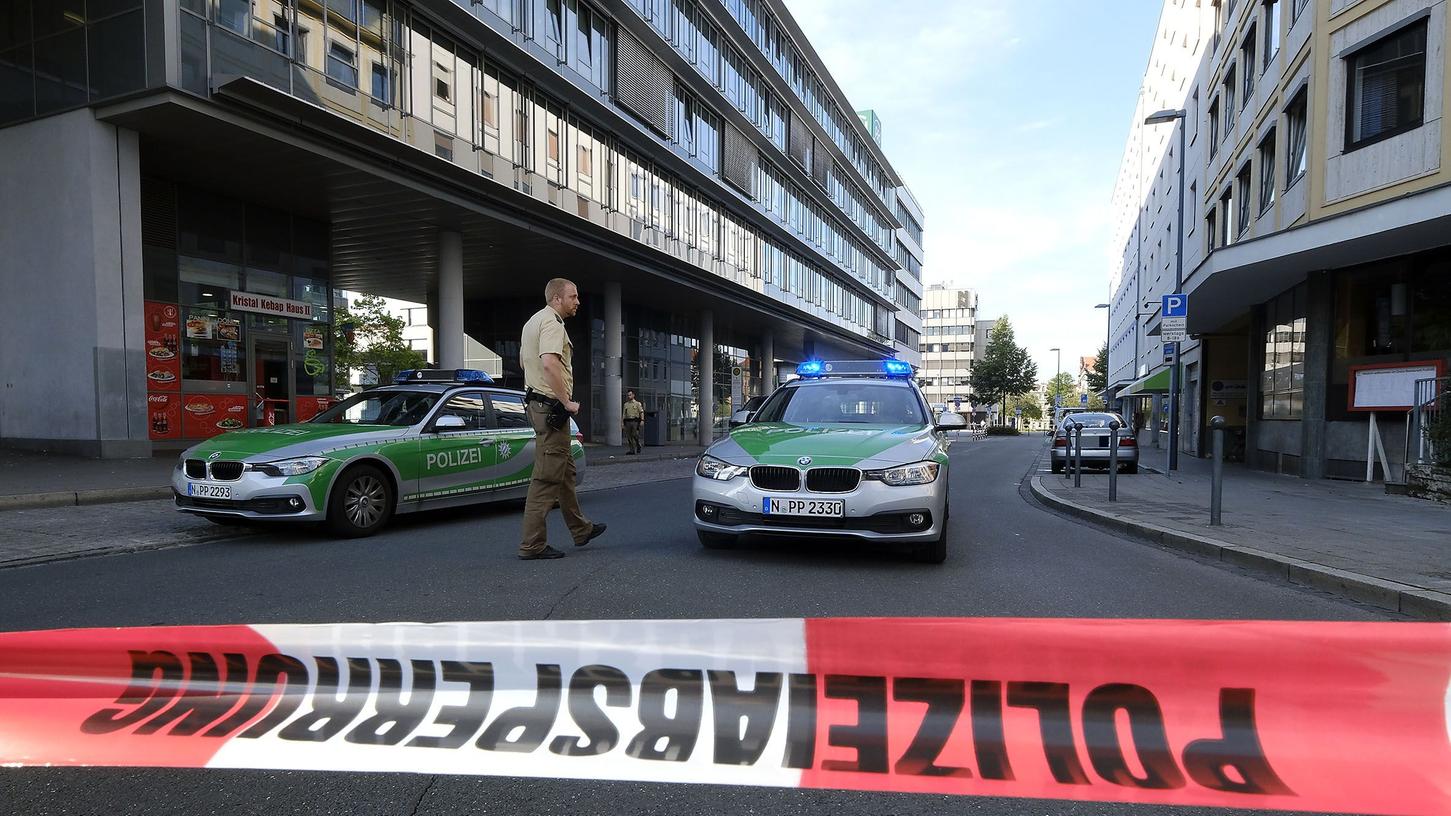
[
  {"x": 1113, "y": 427},
  {"x": 1216, "y": 494},
  {"x": 1078, "y": 454}
]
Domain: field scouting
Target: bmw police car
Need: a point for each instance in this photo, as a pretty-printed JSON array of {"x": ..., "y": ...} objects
[
  {"x": 436, "y": 438},
  {"x": 847, "y": 450}
]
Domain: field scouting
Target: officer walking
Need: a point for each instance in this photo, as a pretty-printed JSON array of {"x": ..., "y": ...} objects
[
  {"x": 547, "y": 356},
  {"x": 634, "y": 415}
]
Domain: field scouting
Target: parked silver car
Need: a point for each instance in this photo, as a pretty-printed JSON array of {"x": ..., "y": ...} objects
[{"x": 1095, "y": 442}]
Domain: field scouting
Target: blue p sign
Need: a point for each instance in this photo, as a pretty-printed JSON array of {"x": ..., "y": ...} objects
[{"x": 1175, "y": 306}]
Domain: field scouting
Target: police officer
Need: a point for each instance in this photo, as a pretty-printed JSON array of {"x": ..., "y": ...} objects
[
  {"x": 634, "y": 416},
  {"x": 547, "y": 356}
]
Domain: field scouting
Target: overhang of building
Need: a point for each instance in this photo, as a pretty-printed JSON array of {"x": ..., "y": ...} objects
[
  {"x": 1154, "y": 383},
  {"x": 386, "y": 202},
  {"x": 1236, "y": 277}
]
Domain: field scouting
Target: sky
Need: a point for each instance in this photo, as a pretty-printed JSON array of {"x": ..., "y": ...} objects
[{"x": 1007, "y": 119}]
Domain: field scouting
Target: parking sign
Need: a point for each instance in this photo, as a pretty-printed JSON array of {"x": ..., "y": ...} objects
[{"x": 1175, "y": 306}]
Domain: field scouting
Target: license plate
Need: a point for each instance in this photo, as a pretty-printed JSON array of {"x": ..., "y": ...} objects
[
  {"x": 202, "y": 490},
  {"x": 803, "y": 507}
]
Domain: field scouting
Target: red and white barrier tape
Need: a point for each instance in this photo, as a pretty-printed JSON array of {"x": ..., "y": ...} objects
[{"x": 1271, "y": 715}]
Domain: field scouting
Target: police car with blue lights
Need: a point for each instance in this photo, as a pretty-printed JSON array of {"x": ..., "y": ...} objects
[
  {"x": 848, "y": 450},
  {"x": 435, "y": 438}
]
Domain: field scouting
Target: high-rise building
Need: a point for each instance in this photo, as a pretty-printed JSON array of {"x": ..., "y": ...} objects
[
  {"x": 949, "y": 344},
  {"x": 1317, "y": 225},
  {"x": 693, "y": 166}
]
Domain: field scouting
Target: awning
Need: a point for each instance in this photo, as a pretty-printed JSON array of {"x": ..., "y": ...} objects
[{"x": 1156, "y": 383}]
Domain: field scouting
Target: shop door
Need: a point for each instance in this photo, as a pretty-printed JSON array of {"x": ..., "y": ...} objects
[{"x": 272, "y": 386}]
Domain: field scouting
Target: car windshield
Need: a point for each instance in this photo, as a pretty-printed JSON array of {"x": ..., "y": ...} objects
[
  {"x": 1092, "y": 420},
  {"x": 854, "y": 401},
  {"x": 398, "y": 408}
]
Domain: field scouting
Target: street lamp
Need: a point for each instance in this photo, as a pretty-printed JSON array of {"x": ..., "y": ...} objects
[
  {"x": 1162, "y": 117},
  {"x": 1107, "y": 330},
  {"x": 1057, "y": 369}
]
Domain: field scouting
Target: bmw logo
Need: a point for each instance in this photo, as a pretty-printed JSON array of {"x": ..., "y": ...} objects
[
  {"x": 804, "y": 461},
  {"x": 215, "y": 455}
]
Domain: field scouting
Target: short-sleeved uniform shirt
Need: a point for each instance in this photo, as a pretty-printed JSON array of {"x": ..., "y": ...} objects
[
  {"x": 634, "y": 409},
  {"x": 545, "y": 334}
]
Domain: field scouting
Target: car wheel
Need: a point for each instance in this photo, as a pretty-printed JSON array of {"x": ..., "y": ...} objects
[
  {"x": 361, "y": 502},
  {"x": 934, "y": 552},
  {"x": 1134, "y": 468},
  {"x": 1057, "y": 467},
  {"x": 716, "y": 541}
]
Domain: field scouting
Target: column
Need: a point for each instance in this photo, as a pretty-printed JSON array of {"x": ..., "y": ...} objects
[
  {"x": 449, "y": 340},
  {"x": 768, "y": 363},
  {"x": 614, "y": 368},
  {"x": 431, "y": 301},
  {"x": 1319, "y": 340},
  {"x": 705, "y": 359}
]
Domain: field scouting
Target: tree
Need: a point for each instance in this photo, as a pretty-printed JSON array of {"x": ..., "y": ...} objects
[
  {"x": 1098, "y": 374},
  {"x": 364, "y": 333},
  {"x": 1029, "y": 403},
  {"x": 1005, "y": 370},
  {"x": 1062, "y": 392}
]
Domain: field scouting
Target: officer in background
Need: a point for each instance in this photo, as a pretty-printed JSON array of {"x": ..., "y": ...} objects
[
  {"x": 634, "y": 417},
  {"x": 547, "y": 356}
]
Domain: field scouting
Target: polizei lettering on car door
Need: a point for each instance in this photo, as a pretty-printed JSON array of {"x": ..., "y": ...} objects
[
  {"x": 673, "y": 713},
  {"x": 447, "y": 460}
]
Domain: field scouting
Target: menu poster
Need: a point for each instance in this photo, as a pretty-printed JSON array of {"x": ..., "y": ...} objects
[
  {"x": 228, "y": 356},
  {"x": 206, "y": 415},
  {"x": 312, "y": 337},
  {"x": 228, "y": 329},
  {"x": 163, "y": 413},
  {"x": 200, "y": 327},
  {"x": 309, "y": 407},
  {"x": 163, "y": 340}
]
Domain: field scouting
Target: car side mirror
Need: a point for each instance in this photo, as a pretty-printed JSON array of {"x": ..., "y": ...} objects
[
  {"x": 449, "y": 422},
  {"x": 949, "y": 421},
  {"x": 741, "y": 417}
]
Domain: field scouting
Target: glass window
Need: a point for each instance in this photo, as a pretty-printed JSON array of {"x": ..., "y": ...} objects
[
  {"x": 845, "y": 401},
  {"x": 206, "y": 283},
  {"x": 1267, "y": 172},
  {"x": 1242, "y": 192},
  {"x": 1295, "y": 118},
  {"x": 342, "y": 64},
  {"x": 509, "y": 411},
  {"x": 1229, "y": 106},
  {"x": 1282, "y": 379},
  {"x": 60, "y": 72},
  {"x": 395, "y": 408},
  {"x": 1247, "y": 61},
  {"x": 1386, "y": 87},
  {"x": 470, "y": 407},
  {"x": 212, "y": 347},
  {"x": 1272, "y": 30},
  {"x": 17, "y": 84}
]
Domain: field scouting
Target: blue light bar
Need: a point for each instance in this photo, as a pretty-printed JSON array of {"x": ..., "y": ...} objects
[
  {"x": 897, "y": 368},
  {"x": 441, "y": 375},
  {"x": 810, "y": 368}
]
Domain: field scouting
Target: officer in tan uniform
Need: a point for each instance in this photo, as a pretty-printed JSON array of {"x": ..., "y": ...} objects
[
  {"x": 634, "y": 417},
  {"x": 548, "y": 357}
]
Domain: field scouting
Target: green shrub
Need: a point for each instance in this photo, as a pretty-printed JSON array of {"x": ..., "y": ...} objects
[{"x": 1001, "y": 430}]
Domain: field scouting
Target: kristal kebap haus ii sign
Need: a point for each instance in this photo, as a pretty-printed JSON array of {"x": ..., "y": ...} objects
[{"x": 264, "y": 304}]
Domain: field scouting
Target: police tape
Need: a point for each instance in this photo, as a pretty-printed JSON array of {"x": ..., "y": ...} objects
[{"x": 1267, "y": 715}]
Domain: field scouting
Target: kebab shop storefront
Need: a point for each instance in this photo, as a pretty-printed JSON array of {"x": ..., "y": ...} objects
[{"x": 230, "y": 356}]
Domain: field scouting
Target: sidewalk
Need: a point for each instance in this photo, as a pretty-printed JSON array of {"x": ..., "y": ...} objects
[
  {"x": 33, "y": 480},
  {"x": 1347, "y": 538}
]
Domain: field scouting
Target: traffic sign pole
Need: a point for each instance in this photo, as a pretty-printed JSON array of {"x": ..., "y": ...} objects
[{"x": 1175, "y": 308}]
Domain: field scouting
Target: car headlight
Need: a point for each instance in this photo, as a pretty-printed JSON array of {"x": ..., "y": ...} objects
[
  {"x": 722, "y": 471},
  {"x": 915, "y": 474},
  {"x": 290, "y": 467}
]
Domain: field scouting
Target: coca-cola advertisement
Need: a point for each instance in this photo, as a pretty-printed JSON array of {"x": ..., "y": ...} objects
[
  {"x": 206, "y": 415},
  {"x": 309, "y": 407},
  {"x": 163, "y": 415},
  {"x": 163, "y": 346}
]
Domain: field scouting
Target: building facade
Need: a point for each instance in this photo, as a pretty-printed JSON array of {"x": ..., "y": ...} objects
[
  {"x": 907, "y": 331},
  {"x": 223, "y": 164},
  {"x": 949, "y": 345},
  {"x": 1316, "y": 213}
]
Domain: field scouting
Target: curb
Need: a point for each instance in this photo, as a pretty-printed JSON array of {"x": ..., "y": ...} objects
[
  {"x": 75, "y": 498},
  {"x": 1392, "y": 595}
]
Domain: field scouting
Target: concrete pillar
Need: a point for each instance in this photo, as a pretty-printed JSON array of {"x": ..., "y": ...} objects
[
  {"x": 1319, "y": 340},
  {"x": 431, "y": 301},
  {"x": 1253, "y": 392},
  {"x": 614, "y": 368},
  {"x": 768, "y": 363},
  {"x": 449, "y": 339},
  {"x": 705, "y": 359}
]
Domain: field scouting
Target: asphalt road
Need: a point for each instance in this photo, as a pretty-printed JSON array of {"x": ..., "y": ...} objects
[{"x": 1008, "y": 557}]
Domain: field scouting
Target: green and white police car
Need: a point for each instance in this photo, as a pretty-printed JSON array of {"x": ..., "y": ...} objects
[
  {"x": 847, "y": 450},
  {"x": 436, "y": 438}
]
